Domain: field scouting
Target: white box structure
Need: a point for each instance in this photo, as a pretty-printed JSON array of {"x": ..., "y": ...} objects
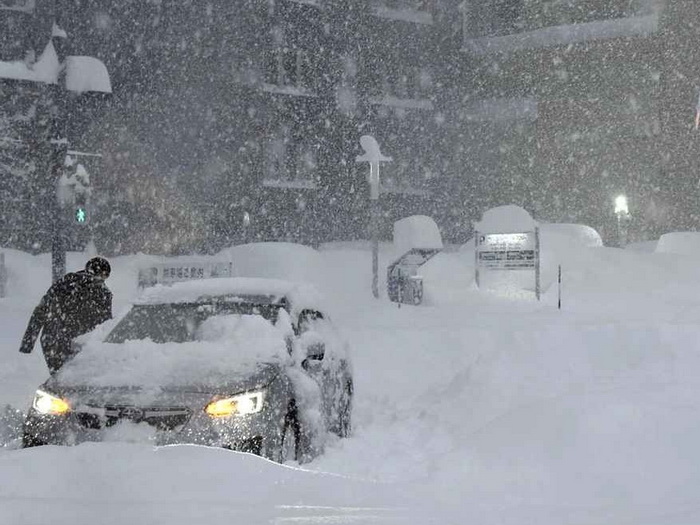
[{"x": 498, "y": 252}]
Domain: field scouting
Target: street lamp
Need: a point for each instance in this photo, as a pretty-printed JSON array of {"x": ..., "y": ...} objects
[
  {"x": 623, "y": 213},
  {"x": 374, "y": 157}
]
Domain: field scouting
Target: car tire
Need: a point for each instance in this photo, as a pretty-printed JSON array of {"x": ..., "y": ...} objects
[
  {"x": 290, "y": 440},
  {"x": 345, "y": 412},
  {"x": 29, "y": 441}
]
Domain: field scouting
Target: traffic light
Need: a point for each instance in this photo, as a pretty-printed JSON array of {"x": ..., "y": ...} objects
[{"x": 81, "y": 212}]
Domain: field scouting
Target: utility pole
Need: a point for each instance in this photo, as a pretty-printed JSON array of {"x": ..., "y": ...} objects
[{"x": 374, "y": 157}]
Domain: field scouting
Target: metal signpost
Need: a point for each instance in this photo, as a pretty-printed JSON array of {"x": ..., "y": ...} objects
[
  {"x": 374, "y": 157},
  {"x": 499, "y": 252}
]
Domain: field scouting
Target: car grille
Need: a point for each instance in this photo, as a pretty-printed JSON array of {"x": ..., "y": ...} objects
[{"x": 162, "y": 418}]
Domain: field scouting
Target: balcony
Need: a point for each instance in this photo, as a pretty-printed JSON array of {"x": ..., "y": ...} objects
[
  {"x": 413, "y": 11},
  {"x": 402, "y": 88},
  {"x": 315, "y": 3},
  {"x": 501, "y": 110},
  {"x": 521, "y": 26},
  {"x": 288, "y": 164},
  {"x": 289, "y": 71}
]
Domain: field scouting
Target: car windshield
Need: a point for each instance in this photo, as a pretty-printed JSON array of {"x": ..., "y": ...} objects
[{"x": 180, "y": 322}]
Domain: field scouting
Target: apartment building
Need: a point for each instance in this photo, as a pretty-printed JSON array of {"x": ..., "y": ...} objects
[{"x": 568, "y": 104}]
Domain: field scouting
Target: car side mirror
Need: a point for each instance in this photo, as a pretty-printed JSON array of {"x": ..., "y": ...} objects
[
  {"x": 314, "y": 356},
  {"x": 316, "y": 351},
  {"x": 312, "y": 349}
]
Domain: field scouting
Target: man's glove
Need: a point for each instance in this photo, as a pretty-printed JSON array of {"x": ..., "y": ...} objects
[{"x": 25, "y": 348}]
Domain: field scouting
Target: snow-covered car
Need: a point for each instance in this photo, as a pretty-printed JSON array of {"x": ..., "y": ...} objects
[{"x": 249, "y": 364}]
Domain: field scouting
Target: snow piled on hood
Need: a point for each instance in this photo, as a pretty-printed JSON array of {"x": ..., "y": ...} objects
[{"x": 228, "y": 346}]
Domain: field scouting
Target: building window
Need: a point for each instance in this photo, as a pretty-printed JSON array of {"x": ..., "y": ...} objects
[
  {"x": 412, "y": 83},
  {"x": 288, "y": 163},
  {"x": 287, "y": 65}
]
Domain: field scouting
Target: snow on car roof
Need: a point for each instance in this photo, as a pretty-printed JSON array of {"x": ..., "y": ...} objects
[
  {"x": 224, "y": 347},
  {"x": 301, "y": 295}
]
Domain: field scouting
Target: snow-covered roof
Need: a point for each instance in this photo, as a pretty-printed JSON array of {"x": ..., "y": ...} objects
[
  {"x": 45, "y": 69},
  {"x": 417, "y": 231},
  {"x": 82, "y": 73},
  {"x": 506, "y": 219},
  {"x": 301, "y": 295}
]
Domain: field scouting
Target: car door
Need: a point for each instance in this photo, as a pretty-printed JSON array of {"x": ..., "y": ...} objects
[{"x": 323, "y": 359}]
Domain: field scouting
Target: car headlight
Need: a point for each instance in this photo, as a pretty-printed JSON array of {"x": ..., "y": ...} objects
[
  {"x": 240, "y": 405},
  {"x": 45, "y": 403}
]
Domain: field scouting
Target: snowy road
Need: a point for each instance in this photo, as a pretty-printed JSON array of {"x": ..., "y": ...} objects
[{"x": 469, "y": 410}]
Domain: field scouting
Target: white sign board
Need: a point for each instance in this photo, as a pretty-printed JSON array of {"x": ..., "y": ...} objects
[
  {"x": 177, "y": 271},
  {"x": 499, "y": 252}
]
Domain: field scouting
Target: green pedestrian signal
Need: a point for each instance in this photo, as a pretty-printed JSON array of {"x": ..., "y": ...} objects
[{"x": 80, "y": 215}]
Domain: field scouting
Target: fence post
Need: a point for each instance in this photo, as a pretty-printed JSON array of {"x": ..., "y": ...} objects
[
  {"x": 3, "y": 275},
  {"x": 559, "y": 289}
]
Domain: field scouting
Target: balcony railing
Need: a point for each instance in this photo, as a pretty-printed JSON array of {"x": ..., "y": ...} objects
[
  {"x": 535, "y": 25},
  {"x": 414, "y": 11}
]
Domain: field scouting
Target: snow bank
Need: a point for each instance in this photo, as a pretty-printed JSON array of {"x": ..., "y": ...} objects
[
  {"x": 578, "y": 234},
  {"x": 417, "y": 231},
  {"x": 447, "y": 278},
  {"x": 681, "y": 243},
  {"x": 642, "y": 246},
  {"x": 117, "y": 483},
  {"x": 482, "y": 410},
  {"x": 275, "y": 260}
]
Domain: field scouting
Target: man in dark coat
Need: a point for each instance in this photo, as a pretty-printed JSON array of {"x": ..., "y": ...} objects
[{"x": 74, "y": 305}]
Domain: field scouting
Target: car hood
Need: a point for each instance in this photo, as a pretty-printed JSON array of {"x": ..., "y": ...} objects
[
  {"x": 151, "y": 365},
  {"x": 181, "y": 392}
]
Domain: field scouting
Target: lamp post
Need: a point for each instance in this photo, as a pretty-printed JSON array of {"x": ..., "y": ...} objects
[
  {"x": 622, "y": 212},
  {"x": 374, "y": 157},
  {"x": 246, "y": 226}
]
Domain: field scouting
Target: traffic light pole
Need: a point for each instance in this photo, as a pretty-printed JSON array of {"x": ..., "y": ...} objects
[
  {"x": 58, "y": 248},
  {"x": 59, "y": 227}
]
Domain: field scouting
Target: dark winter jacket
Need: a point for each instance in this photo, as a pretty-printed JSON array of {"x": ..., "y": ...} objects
[{"x": 73, "y": 305}]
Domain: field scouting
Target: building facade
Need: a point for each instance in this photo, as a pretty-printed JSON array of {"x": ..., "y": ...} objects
[
  {"x": 233, "y": 121},
  {"x": 569, "y": 104}
]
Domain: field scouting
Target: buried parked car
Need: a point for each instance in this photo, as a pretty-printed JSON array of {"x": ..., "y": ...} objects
[{"x": 249, "y": 364}]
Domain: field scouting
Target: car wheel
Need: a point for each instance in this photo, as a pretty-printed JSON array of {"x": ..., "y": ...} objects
[
  {"x": 291, "y": 436},
  {"x": 29, "y": 441},
  {"x": 345, "y": 412}
]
